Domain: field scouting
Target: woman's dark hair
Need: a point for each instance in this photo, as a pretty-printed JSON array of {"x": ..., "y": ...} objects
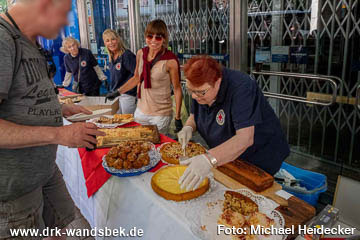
[{"x": 158, "y": 27}]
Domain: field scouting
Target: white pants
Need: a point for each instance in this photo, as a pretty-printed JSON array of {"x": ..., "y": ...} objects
[
  {"x": 127, "y": 104},
  {"x": 162, "y": 122}
]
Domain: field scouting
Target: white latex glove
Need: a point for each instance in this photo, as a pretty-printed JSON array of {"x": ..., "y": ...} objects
[
  {"x": 198, "y": 169},
  {"x": 100, "y": 73},
  {"x": 185, "y": 135},
  {"x": 67, "y": 79}
]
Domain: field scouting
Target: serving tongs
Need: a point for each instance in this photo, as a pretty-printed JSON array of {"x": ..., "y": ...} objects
[{"x": 290, "y": 182}]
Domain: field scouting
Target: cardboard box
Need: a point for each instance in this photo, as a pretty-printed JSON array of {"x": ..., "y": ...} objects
[{"x": 96, "y": 103}]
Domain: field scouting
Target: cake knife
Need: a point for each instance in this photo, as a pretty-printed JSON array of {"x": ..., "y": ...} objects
[{"x": 183, "y": 157}]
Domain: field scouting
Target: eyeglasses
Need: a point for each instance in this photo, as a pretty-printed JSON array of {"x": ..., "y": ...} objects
[
  {"x": 157, "y": 37},
  {"x": 197, "y": 93}
]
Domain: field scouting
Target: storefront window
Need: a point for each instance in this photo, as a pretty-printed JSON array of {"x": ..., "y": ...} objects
[
  {"x": 288, "y": 36},
  {"x": 196, "y": 27}
]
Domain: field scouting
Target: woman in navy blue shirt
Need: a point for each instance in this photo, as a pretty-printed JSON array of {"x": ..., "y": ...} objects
[
  {"x": 122, "y": 67},
  {"x": 81, "y": 64},
  {"x": 233, "y": 116}
]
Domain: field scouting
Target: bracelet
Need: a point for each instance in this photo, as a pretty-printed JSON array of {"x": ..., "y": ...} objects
[{"x": 211, "y": 159}]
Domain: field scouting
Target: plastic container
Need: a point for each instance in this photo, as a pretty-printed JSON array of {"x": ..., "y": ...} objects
[{"x": 315, "y": 183}]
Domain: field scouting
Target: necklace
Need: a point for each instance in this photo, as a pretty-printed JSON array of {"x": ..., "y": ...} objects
[
  {"x": 12, "y": 20},
  {"x": 152, "y": 57}
]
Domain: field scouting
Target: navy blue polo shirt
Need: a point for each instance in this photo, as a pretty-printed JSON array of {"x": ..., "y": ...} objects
[
  {"x": 89, "y": 80},
  {"x": 121, "y": 70},
  {"x": 240, "y": 104}
]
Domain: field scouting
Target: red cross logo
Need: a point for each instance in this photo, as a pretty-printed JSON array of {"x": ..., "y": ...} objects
[{"x": 220, "y": 117}]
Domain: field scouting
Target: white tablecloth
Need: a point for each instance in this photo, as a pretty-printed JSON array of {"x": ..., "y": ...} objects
[{"x": 127, "y": 202}]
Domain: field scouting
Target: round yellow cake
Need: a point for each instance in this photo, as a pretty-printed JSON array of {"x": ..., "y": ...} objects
[{"x": 165, "y": 183}]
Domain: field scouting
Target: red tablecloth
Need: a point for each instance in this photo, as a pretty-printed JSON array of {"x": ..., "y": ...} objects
[
  {"x": 64, "y": 92},
  {"x": 94, "y": 173}
]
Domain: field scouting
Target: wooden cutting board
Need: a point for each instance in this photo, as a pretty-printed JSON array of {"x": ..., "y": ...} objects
[
  {"x": 297, "y": 213},
  {"x": 233, "y": 184},
  {"x": 294, "y": 210}
]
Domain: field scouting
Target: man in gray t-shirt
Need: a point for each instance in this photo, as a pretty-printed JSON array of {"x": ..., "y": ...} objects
[{"x": 32, "y": 191}]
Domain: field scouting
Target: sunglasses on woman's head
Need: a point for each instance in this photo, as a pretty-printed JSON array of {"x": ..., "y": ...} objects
[{"x": 157, "y": 37}]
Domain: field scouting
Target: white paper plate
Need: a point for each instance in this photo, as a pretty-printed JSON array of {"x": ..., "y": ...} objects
[
  {"x": 107, "y": 125},
  {"x": 83, "y": 117}
]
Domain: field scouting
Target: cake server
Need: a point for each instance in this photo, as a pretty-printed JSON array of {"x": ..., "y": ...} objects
[{"x": 182, "y": 159}]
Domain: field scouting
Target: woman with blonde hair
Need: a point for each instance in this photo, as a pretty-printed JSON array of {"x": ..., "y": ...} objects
[
  {"x": 122, "y": 67},
  {"x": 81, "y": 64},
  {"x": 157, "y": 69}
]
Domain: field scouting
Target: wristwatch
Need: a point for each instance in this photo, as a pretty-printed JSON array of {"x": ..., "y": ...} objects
[{"x": 211, "y": 159}]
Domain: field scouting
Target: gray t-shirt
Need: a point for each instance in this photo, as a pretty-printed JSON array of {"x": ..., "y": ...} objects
[{"x": 28, "y": 99}]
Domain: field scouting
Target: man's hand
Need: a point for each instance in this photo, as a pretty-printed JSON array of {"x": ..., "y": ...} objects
[
  {"x": 112, "y": 95},
  {"x": 178, "y": 125},
  {"x": 199, "y": 168},
  {"x": 78, "y": 135},
  {"x": 72, "y": 109}
]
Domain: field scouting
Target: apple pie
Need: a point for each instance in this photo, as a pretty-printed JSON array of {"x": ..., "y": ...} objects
[
  {"x": 231, "y": 218},
  {"x": 258, "y": 218},
  {"x": 171, "y": 152},
  {"x": 239, "y": 203},
  {"x": 242, "y": 212}
]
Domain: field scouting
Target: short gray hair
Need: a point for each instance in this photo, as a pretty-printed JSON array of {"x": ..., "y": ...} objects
[{"x": 66, "y": 41}]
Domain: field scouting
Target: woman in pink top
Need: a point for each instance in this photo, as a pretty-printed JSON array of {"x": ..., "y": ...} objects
[{"x": 156, "y": 70}]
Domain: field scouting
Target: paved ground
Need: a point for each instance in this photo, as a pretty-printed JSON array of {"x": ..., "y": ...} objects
[{"x": 79, "y": 223}]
